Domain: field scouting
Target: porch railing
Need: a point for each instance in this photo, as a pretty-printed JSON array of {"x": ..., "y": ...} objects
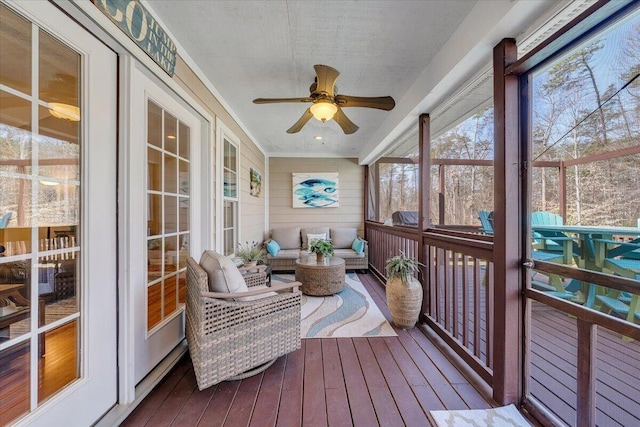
[
  {"x": 458, "y": 283},
  {"x": 385, "y": 242}
]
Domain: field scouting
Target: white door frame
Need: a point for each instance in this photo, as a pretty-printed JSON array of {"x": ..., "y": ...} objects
[
  {"x": 96, "y": 389},
  {"x": 138, "y": 86}
]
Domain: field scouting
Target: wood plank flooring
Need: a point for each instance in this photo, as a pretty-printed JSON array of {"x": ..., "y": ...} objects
[
  {"x": 391, "y": 381},
  {"x": 553, "y": 370}
]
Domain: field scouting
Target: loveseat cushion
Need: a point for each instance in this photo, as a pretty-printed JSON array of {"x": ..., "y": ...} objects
[
  {"x": 286, "y": 254},
  {"x": 343, "y": 237},
  {"x": 347, "y": 253},
  {"x": 312, "y": 230},
  {"x": 287, "y": 237},
  {"x": 223, "y": 274}
]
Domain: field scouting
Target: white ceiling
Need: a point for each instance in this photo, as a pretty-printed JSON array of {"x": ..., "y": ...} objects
[{"x": 418, "y": 52}]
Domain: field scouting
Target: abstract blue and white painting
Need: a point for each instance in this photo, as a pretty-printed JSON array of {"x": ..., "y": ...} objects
[{"x": 315, "y": 190}]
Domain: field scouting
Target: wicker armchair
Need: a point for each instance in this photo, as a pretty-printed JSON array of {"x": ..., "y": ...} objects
[{"x": 233, "y": 339}]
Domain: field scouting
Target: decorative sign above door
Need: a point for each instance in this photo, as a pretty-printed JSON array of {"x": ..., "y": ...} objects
[{"x": 138, "y": 24}]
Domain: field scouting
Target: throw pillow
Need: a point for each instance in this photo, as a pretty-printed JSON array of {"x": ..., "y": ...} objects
[
  {"x": 224, "y": 276},
  {"x": 312, "y": 238},
  {"x": 273, "y": 247},
  {"x": 358, "y": 245}
]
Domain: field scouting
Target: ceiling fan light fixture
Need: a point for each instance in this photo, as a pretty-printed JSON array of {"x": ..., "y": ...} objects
[
  {"x": 64, "y": 111},
  {"x": 323, "y": 110}
]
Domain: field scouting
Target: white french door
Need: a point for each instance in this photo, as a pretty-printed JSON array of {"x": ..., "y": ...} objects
[
  {"x": 164, "y": 222},
  {"x": 58, "y": 161}
]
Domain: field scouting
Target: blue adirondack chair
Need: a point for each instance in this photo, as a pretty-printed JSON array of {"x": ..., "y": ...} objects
[
  {"x": 622, "y": 303},
  {"x": 555, "y": 241},
  {"x": 554, "y": 285},
  {"x": 5, "y": 219},
  {"x": 486, "y": 219}
]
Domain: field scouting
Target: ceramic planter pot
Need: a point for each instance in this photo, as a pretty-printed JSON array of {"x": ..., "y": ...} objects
[
  {"x": 319, "y": 258},
  {"x": 404, "y": 301}
]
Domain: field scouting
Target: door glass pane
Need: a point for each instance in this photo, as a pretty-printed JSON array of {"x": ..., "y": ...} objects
[
  {"x": 154, "y": 167},
  {"x": 15, "y": 112},
  {"x": 61, "y": 365},
  {"x": 167, "y": 212},
  {"x": 184, "y": 213},
  {"x": 170, "y": 214},
  {"x": 184, "y": 136},
  {"x": 154, "y": 124},
  {"x": 14, "y": 381},
  {"x": 39, "y": 214},
  {"x": 154, "y": 214},
  {"x": 15, "y": 51},
  {"x": 170, "y": 133},
  {"x": 170, "y": 174}
]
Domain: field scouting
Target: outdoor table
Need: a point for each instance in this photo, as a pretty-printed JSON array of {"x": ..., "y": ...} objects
[{"x": 591, "y": 253}]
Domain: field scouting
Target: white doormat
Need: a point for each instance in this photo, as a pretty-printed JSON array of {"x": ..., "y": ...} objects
[{"x": 505, "y": 416}]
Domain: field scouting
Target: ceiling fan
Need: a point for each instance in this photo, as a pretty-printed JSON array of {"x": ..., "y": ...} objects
[{"x": 327, "y": 104}]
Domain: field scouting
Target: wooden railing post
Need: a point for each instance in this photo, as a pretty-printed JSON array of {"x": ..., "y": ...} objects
[
  {"x": 562, "y": 188},
  {"x": 424, "y": 209},
  {"x": 586, "y": 376},
  {"x": 507, "y": 248}
]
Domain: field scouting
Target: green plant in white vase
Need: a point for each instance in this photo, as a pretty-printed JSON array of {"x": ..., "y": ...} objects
[{"x": 404, "y": 291}]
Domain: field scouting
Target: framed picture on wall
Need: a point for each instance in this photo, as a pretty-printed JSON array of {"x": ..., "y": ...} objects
[
  {"x": 315, "y": 190},
  {"x": 255, "y": 183}
]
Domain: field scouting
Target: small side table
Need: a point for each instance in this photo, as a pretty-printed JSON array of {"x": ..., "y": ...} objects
[{"x": 320, "y": 279}]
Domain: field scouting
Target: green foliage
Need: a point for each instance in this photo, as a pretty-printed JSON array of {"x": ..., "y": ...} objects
[
  {"x": 403, "y": 266},
  {"x": 322, "y": 246},
  {"x": 251, "y": 252}
]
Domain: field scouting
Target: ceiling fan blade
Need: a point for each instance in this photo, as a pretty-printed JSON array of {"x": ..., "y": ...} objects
[
  {"x": 381, "y": 102},
  {"x": 347, "y": 125},
  {"x": 301, "y": 122},
  {"x": 326, "y": 78},
  {"x": 277, "y": 100}
]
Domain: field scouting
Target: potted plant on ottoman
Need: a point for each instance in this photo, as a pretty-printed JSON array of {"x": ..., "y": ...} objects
[
  {"x": 322, "y": 248},
  {"x": 251, "y": 253},
  {"x": 404, "y": 292}
]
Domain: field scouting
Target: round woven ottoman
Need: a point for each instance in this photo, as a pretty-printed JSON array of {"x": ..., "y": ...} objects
[{"x": 319, "y": 279}]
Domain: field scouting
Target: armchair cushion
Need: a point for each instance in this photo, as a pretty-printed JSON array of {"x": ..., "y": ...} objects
[
  {"x": 287, "y": 237},
  {"x": 223, "y": 274}
]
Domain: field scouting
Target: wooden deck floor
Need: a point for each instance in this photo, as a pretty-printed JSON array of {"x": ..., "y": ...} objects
[
  {"x": 391, "y": 381},
  {"x": 553, "y": 370}
]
